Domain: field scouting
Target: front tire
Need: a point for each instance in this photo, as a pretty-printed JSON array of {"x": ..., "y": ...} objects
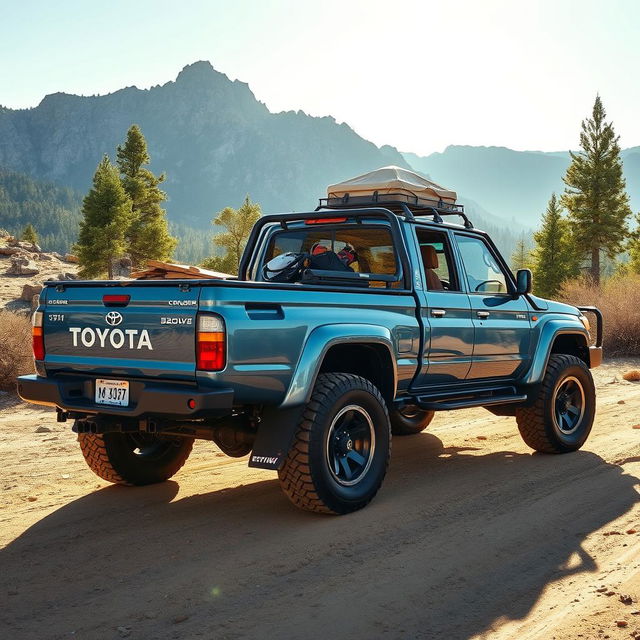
[
  {"x": 341, "y": 450},
  {"x": 134, "y": 458},
  {"x": 410, "y": 420},
  {"x": 561, "y": 417}
]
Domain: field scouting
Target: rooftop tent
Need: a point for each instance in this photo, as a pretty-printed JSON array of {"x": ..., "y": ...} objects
[{"x": 392, "y": 182}]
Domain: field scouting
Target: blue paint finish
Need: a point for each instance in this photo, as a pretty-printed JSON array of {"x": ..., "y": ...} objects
[{"x": 277, "y": 335}]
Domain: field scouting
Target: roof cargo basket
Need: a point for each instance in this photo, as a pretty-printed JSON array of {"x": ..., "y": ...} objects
[{"x": 409, "y": 206}]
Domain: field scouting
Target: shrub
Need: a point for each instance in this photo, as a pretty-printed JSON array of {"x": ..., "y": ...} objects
[
  {"x": 619, "y": 300},
  {"x": 15, "y": 348}
]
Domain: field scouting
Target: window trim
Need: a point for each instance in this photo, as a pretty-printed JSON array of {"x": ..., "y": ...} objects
[
  {"x": 508, "y": 276},
  {"x": 449, "y": 252},
  {"x": 270, "y": 231}
]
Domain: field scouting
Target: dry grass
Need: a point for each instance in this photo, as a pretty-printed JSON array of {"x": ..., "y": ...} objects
[
  {"x": 619, "y": 300},
  {"x": 15, "y": 348}
]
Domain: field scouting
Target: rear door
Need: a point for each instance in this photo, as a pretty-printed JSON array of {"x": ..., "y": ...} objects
[
  {"x": 446, "y": 312},
  {"x": 123, "y": 331}
]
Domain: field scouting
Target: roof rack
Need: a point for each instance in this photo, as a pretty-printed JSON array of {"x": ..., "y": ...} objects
[{"x": 410, "y": 206}]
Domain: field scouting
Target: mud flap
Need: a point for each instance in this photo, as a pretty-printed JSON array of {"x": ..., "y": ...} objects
[{"x": 275, "y": 436}]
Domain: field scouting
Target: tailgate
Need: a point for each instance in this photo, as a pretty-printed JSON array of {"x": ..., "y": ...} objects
[{"x": 95, "y": 329}]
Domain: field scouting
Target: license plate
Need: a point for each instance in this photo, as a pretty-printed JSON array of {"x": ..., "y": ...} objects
[{"x": 114, "y": 392}]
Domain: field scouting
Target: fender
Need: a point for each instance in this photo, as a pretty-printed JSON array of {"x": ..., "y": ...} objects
[
  {"x": 278, "y": 424},
  {"x": 320, "y": 340},
  {"x": 550, "y": 328}
]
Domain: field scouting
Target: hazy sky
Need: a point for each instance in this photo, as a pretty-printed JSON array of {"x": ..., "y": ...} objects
[{"x": 418, "y": 75}]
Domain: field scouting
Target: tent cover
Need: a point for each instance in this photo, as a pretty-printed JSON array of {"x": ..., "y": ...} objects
[{"x": 392, "y": 180}]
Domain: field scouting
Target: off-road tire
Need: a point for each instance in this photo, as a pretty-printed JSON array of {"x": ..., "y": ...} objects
[
  {"x": 405, "y": 424},
  {"x": 306, "y": 477},
  {"x": 536, "y": 422},
  {"x": 113, "y": 457}
]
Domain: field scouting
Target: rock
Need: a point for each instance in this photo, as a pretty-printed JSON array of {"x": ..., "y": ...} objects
[
  {"x": 121, "y": 267},
  {"x": 22, "y": 266},
  {"x": 631, "y": 531},
  {"x": 632, "y": 376},
  {"x": 67, "y": 275},
  {"x": 26, "y": 246},
  {"x": 636, "y": 426},
  {"x": 481, "y": 437},
  {"x": 621, "y": 402},
  {"x": 9, "y": 251},
  {"x": 625, "y": 598},
  {"x": 68, "y": 257},
  {"x": 124, "y": 631},
  {"x": 622, "y": 623},
  {"x": 43, "y": 429},
  {"x": 610, "y": 593},
  {"x": 46, "y": 256},
  {"x": 32, "y": 498},
  {"x": 601, "y": 589},
  {"x": 56, "y": 255},
  {"x": 30, "y": 290},
  {"x": 179, "y": 619}
]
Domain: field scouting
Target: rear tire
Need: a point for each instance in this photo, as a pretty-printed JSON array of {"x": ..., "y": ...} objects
[
  {"x": 561, "y": 417},
  {"x": 134, "y": 458},
  {"x": 410, "y": 420},
  {"x": 341, "y": 450}
]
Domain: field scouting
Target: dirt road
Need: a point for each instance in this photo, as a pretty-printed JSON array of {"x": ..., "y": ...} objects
[{"x": 468, "y": 538}]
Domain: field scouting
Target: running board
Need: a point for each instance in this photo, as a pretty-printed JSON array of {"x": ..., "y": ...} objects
[{"x": 465, "y": 400}]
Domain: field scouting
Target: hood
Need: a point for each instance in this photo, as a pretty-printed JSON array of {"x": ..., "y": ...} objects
[{"x": 552, "y": 305}]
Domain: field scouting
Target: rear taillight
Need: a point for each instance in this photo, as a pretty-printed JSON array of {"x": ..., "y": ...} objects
[
  {"x": 210, "y": 343},
  {"x": 38, "y": 336}
]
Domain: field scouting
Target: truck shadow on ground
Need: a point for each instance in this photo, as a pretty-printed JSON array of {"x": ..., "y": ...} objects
[{"x": 455, "y": 541}]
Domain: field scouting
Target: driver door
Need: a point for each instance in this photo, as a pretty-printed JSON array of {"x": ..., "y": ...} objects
[{"x": 501, "y": 320}]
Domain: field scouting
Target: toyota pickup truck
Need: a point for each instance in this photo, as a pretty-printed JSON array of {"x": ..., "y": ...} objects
[{"x": 345, "y": 325}]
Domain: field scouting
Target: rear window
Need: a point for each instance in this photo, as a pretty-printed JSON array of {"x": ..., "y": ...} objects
[{"x": 370, "y": 249}]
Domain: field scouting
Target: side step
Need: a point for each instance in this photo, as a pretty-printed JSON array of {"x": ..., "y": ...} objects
[{"x": 482, "y": 397}]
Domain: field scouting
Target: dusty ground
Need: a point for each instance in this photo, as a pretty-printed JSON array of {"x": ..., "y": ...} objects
[{"x": 471, "y": 536}]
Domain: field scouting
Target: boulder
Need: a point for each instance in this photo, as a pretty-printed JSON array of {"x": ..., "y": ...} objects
[
  {"x": 22, "y": 266},
  {"x": 66, "y": 276},
  {"x": 26, "y": 246},
  {"x": 45, "y": 256},
  {"x": 30, "y": 290},
  {"x": 9, "y": 251},
  {"x": 121, "y": 267},
  {"x": 68, "y": 257}
]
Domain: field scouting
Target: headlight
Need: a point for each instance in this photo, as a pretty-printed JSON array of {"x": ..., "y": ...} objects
[{"x": 585, "y": 322}]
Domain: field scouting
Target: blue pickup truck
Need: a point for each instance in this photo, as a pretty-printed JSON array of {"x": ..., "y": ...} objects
[{"x": 345, "y": 325}]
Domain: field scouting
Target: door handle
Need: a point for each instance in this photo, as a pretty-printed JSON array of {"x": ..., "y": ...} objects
[
  {"x": 483, "y": 314},
  {"x": 438, "y": 313}
]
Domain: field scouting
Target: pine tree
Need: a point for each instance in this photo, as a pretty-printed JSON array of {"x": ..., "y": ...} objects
[
  {"x": 555, "y": 259},
  {"x": 29, "y": 234},
  {"x": 521, "y": 256},
  {"x": 106, "y": 211},
  {"x": 148, "y": 237},
  {"x": 238, "y": 224},
  {"x": 595, "y": 193}
]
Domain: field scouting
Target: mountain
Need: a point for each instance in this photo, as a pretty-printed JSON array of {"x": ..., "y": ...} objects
[
  {"x": 211, "y": 136},
  {"x": 512, "y": 184}
]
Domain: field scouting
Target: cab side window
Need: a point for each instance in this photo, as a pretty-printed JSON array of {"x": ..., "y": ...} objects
[
  {"x": 437, "y": 261},
  {"x": 484, "y": 274}
]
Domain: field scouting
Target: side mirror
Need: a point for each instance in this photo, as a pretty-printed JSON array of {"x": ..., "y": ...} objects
[{"x": 524, "y": 281}]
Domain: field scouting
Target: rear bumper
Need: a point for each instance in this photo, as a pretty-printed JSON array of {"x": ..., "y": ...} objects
[{"x": 76, "y": 393}]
